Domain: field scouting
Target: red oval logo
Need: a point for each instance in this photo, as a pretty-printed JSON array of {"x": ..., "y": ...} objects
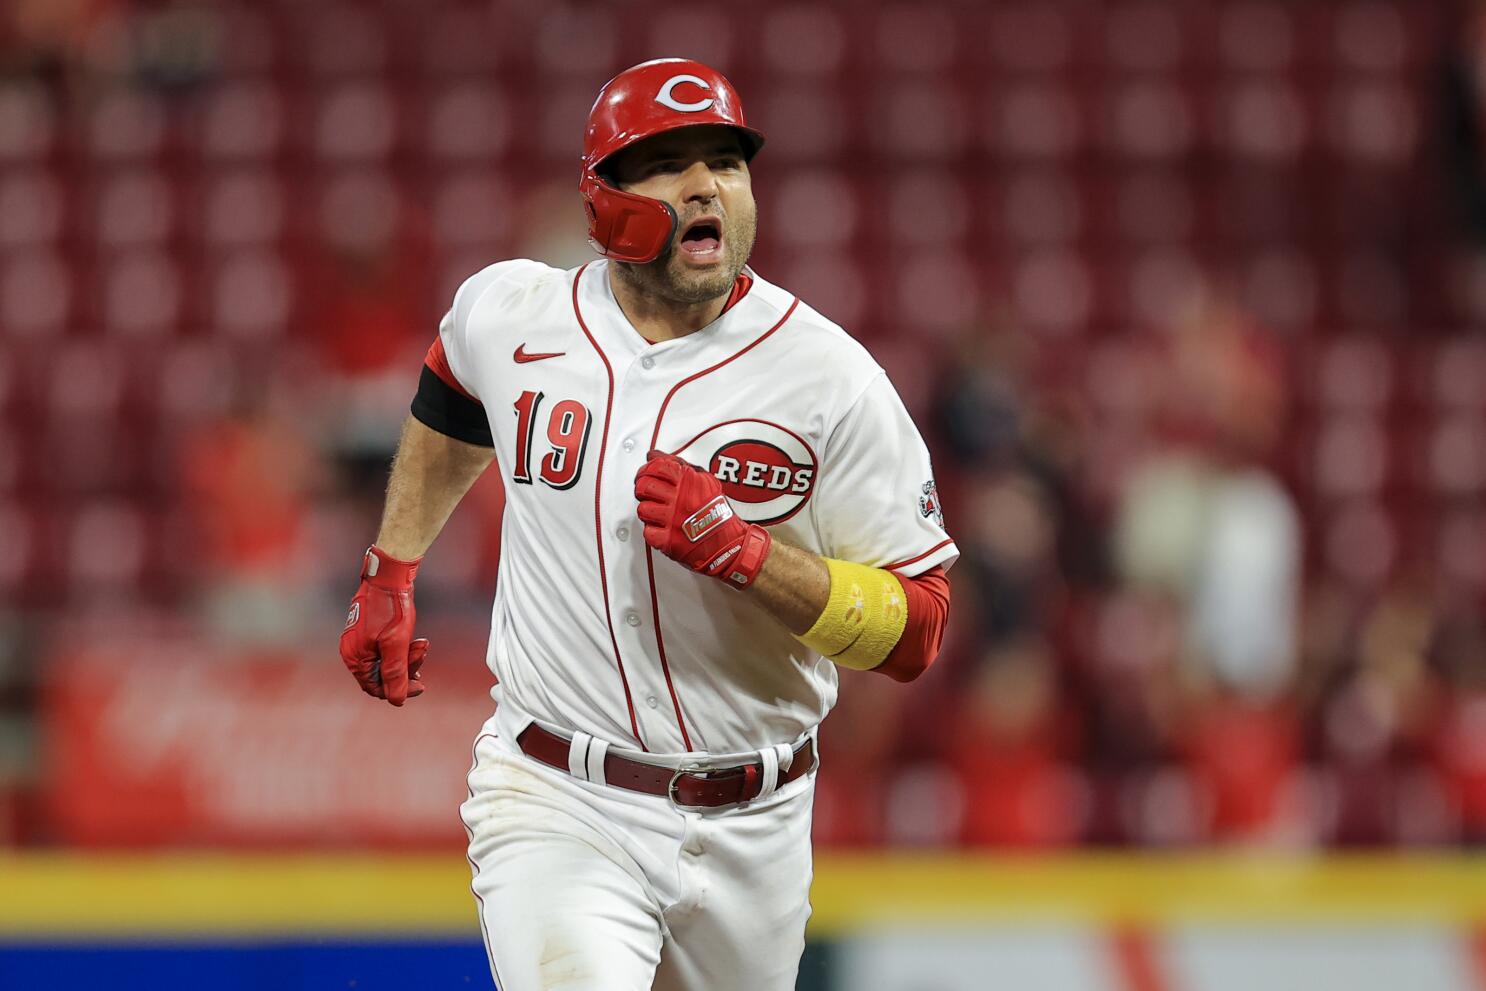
[
  {"x": 767, "y": 472},
  {"x": 754, "y": 471}
]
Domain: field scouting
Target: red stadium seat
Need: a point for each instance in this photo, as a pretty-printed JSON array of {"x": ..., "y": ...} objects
[
  {"x": 107, "y": 544},
  {"x": 471, "y": 121},
  {"x": 804, "y": 122},
  {"x": 1052, "y": 291},
  {"x": 1458, "y": 375},
  {"x": 918, "y": 121},
  {"x": 1350, "y": 458},
  {"x": 1151, "y": 118},
  {"x": 1144, "y": 37},
  {"x": 1457, "y": 455},
  {"x": 1032, "y": 37},
  {"x": 252, "y": 296},
  {"x": 932, "y": 206},
  {"x": 243, "y": 119},
  {"x": 35, "y": 294},
  {"x": 355, "y": 122},
  {"x": 32, "y": 207},
  {"x": 1360, "y": 541},
  {"x": 711, "y": 36},
  {"x": 1371, "y": 36},
  {"x": 135, "y": 209},
  {"x": 1040, "y": 207},
  {"x": 128, "y": 125},
  {"x": 1265, "y": 121},
  {"x": 243, "y": 207},
  {"x": 1034, "y": 120},
  {"x": 1282, "y": 290},
  {"x": 822, "y": 205},
  {"x": 1257, "y": 36},
  {"x": 143, "y": 294},
  {"x": 459, "y": 39},
  {"x": 1374, "y": 124},
  {"x": 803, "y": 40},
  {"x": 336, "y": 39},
  {"x": 1354, "y": 376},
  {"x": 23, "y": 539},
  {"x": 581, "y": 44},
  {"x": 916, "y": 38},
  {"x": 28, "y": 125},
  {"x": 86, "y": 380},
  {"x": 472, "y": 207}
]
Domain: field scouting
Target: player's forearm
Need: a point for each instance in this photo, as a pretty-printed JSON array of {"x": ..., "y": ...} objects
[
  {"x": 793, "y": 586},
  {"x": 430, "y": 474},
  {"x": 859, "y": 617}
]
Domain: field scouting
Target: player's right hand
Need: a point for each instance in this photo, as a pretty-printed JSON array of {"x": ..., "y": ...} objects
[{"x": 377, "y": 643}]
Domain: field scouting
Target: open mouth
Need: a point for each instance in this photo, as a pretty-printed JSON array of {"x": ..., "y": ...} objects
[{"x": 702, "y": 238}]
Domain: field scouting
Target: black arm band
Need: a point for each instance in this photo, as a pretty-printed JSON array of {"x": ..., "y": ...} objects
[{"x": 438, "y": 406}]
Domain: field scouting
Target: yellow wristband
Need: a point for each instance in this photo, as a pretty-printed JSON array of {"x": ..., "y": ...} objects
[{"x": 863, "y": 619}]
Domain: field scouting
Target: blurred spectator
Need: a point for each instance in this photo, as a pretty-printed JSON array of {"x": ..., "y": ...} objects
[
  {"x": 369, "y": 310},
  {"x": 247, "y": 479},
  {"x": 1010, "y": 747}
]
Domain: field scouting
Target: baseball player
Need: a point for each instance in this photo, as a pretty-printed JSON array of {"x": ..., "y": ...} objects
[{"x": 714, "y": 499}]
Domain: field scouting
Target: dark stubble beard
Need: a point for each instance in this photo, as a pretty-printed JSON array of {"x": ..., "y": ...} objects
[{"x": 669, "y": 278}]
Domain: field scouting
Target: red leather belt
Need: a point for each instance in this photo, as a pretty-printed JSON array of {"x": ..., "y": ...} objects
[{"x": 702, "y": 788}]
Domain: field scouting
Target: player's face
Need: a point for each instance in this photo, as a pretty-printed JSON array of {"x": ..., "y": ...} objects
[{"x": 702, "y": 173}]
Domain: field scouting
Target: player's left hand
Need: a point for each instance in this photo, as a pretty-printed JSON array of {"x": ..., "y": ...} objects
[
  {"x": 690, "y": 521},
  {"x": 377, "y": 643}
]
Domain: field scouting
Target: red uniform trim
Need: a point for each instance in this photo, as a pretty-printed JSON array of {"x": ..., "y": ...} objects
[
  {"x": 474, "y": 867},
  {"x": 1138, "y": 964},
  {"x": 438, "y": 363},
  {"x": 741, "y": 285},
  {"x": 917, "y": 557},
  {"x": 598, "y": 521},
  {"x": 923, "y": 634},
  {"x": 1478, "y": 953},
  {"x": 649, "y": 554}
]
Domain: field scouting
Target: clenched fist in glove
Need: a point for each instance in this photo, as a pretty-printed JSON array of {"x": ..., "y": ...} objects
[
  {"x": 690, "y": 521},
  {"x": 377, "y": 644}
]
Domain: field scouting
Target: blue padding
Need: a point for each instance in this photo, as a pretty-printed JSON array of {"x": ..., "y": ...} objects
[{"x": 247, "y": 966}]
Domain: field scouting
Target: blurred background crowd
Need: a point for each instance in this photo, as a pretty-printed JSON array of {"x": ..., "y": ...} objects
[{"x": 1187, "y": 296}]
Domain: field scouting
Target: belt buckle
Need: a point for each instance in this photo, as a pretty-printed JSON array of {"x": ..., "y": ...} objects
[{"x": 686, "y": 768}]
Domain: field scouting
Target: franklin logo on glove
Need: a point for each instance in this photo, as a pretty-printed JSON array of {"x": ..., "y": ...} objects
[{"x": 710, "y": 516}]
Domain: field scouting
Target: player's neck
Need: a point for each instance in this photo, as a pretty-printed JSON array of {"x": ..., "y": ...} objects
[{"x": 659, "y": 319}]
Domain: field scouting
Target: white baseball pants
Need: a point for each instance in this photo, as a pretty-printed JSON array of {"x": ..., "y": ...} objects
[{"x": 589, "y": 887}]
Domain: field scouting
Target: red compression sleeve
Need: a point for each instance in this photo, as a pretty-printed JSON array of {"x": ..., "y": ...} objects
[{"x": 928, "y": 612}]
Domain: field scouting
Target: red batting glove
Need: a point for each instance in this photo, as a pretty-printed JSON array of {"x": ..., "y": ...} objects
[
  {"x": 377, "y": 643},
  {"x": 690, "y": 521}
]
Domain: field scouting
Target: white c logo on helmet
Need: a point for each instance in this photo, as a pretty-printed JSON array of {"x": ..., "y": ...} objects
[{"x": 665, "y": 98}]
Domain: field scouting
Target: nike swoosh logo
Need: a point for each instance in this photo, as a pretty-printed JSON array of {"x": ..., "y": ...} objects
[{"x": 522, "y": 356}]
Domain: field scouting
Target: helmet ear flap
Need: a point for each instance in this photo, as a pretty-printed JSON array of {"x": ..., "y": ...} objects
[{"x": 625, "y": 226}]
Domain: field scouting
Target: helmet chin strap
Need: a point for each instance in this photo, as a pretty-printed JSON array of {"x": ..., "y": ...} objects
[{"x": 625, "y": 226}]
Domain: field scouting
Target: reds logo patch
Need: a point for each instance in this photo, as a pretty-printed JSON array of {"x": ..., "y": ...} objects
[
  {"x": 928, "y": 503},
  {"x": 766, "y": 471}
]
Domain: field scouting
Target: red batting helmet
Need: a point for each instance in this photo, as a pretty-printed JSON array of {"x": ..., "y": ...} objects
[{"x": 648, "y": 99}]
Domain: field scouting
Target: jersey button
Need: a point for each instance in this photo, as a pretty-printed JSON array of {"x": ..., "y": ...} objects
[
  {"x": 622, "y": 533},
  {"x": 628, "y": 445},
  {"x": 632, "y": 618},
  {"x": 647, "y": 362},
  {"x": 652, "y": 701}
]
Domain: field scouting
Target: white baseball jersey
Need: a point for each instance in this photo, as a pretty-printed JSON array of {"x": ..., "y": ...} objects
[{"x": 593, "y": 631}]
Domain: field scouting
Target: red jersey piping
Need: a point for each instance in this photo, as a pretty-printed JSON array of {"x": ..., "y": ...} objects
[
  {"x": 598, "y": 522},
  {"x": 649, "y": 553}
]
